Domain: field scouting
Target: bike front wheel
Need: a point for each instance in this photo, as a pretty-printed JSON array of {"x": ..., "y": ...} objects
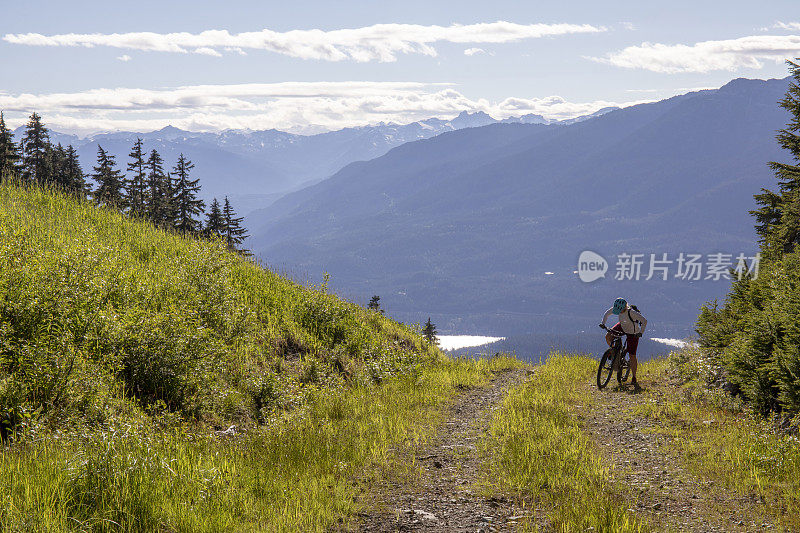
[
  {"x": 606, "y": 368},
  {"x": 624, "y": 371}
]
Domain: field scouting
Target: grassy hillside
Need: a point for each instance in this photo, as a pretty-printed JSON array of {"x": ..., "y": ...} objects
[
  {"x": 100, "y": 315},
  {"x": 151, "y": 381}
]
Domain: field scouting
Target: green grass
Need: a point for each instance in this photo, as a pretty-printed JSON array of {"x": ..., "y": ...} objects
[
  {"x": 722, "y": 440},
  {"x": 302, "y": 472},
  {"x": 537, "y": 450},
  {"x": 123, "y": 348},
  {"x": 102, "y": 317}
]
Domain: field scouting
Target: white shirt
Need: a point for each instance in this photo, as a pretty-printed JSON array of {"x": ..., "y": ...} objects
[{"x": 631, "y": 321}]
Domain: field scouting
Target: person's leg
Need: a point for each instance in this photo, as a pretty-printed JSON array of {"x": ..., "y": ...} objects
[
  {"x": 610, "y": 338},
  {"x": 633, "y": 345}
]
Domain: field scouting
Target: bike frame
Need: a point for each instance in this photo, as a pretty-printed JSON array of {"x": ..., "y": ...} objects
[
  {"x": 619, "y": 359},
  {"x": 618, "y": 343},
  {"x": 621, "y": 346}
]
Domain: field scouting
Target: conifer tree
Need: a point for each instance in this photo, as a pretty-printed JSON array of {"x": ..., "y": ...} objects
[
  {"x": 57, "y": 164},
  {"x": 109, "y": 180},
  {"x": 233, "y": 232},
  {"x": 429, "y": 332},
  {"x": 779, "y": 214},
  {"x": 169, "y": 201},
  {"x": 155, "y": 187},
  {"x": 136, "y": 184},
  {"x": 375, "y": 303},
  {"x": 74, "y": 179},
  {"x": 34, "y": 151},
  {"x": 755, "y": 334},
  {"x": 768, "y": 216},
  {"x": 215, "y": 223},
  {"x": 187, "y": 205},
  {"x": 9, "y": 151}
]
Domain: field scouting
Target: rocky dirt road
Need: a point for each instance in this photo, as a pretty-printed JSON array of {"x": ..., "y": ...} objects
[
  {"x": 443, "y": 496},
  {"x": 639, "y": 452}
]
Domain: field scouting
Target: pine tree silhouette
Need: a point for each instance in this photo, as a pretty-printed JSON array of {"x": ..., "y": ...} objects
[
  {"x": 34, "y": 151},
  {"x": 136, "y": 184},
  {"x": 187, "y": 205},
  {"x": 73, "y": 176},
  {"x": 215, "y": 222},
  {"x": 156, "y": 208},
  {"x": 233, "y": 231},
  {"x": 109, "y": 180},
  {"x": 375, "y": 304},
  {"x": 9, "y": 152},
  {"x": 429, "y": 332}
]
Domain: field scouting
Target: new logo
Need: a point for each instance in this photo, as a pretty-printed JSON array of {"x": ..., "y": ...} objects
[{"x": 591, "y": 266}]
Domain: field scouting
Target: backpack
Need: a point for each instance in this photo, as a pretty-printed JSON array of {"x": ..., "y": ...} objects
[{"x": 631, "y": 319}]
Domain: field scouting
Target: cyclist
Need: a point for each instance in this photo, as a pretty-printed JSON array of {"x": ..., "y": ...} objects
[{"x": 632, "y": 324}]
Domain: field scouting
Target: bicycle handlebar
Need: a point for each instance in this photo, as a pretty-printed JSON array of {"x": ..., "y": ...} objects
[{"x": 615, "y": 333}]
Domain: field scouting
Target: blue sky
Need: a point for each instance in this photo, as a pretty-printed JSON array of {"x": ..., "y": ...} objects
[{"x": 86, "y": 66}]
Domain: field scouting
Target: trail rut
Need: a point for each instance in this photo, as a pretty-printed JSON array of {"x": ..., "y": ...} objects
[{"x": 443, "y": 497}]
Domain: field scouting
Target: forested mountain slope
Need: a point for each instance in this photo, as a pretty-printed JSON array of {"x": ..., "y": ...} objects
[{"x": 466, "y": 224}]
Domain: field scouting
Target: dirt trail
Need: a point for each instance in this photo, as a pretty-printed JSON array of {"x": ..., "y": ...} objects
[
  {"x": 639, "y": 450},
  {"x": 443, "y": 496}
]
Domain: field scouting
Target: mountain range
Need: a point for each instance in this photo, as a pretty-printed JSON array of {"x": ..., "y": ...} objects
[
  {"x": 254, "y": 168},
  {"x": 481, "y": 228}
]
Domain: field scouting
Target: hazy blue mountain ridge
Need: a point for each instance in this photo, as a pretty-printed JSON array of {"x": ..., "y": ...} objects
[
  {"x": 256, "y": 167},
  {"x": 463, "y": 226}
]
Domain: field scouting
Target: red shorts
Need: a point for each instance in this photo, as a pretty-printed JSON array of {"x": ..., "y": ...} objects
[{"x": 633, "y": 340}]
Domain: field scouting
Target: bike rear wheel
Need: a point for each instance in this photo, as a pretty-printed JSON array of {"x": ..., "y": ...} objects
[{"x": 606, "y": 368}]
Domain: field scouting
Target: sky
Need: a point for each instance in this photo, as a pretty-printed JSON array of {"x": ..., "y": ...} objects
[{"x": 301, "y": 66}]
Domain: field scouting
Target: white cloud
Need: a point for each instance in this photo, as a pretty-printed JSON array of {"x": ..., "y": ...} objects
[
  {"x": 289, "y": 106},
  {"x": 206, "y": 51},
  {"x": 706, "y": 56},
  {"x": 474, "y": 51},
  {"x": 124, "y": 58},
  {"x": 379, "y": 42},
  {"x": 787, "y": 25}
]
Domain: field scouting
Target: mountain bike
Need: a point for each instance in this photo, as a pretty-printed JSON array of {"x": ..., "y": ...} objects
[{"x": 615, "y": 358}]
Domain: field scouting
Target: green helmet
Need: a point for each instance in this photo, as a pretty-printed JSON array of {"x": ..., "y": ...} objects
[{"x": 619, "y": 306}]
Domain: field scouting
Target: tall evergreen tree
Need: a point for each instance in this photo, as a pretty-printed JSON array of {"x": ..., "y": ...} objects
[
  {"x": 136, "y": 184},
  {"x": 215, "y": 223},
  {"x": 156, "y": 180},
  {"x": 109, "y": 180},
  {"x": 375, "y": 304},
  {"x": 57, "y": 164},
  {"x": 74, "y": 179},
  {"x": 9, "y": 151},
  {"x": 768, "y": 215},
  {"x": 169, "y": 198},
  {"x": 188, "y": 205},
  {"x": 781, "y": 212},
  {"x": 34, "y": 151},
  {"x": 233, "y": 232},
  {"x": 429, "y": 332},
  {"x": 755, "y": 334}
]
